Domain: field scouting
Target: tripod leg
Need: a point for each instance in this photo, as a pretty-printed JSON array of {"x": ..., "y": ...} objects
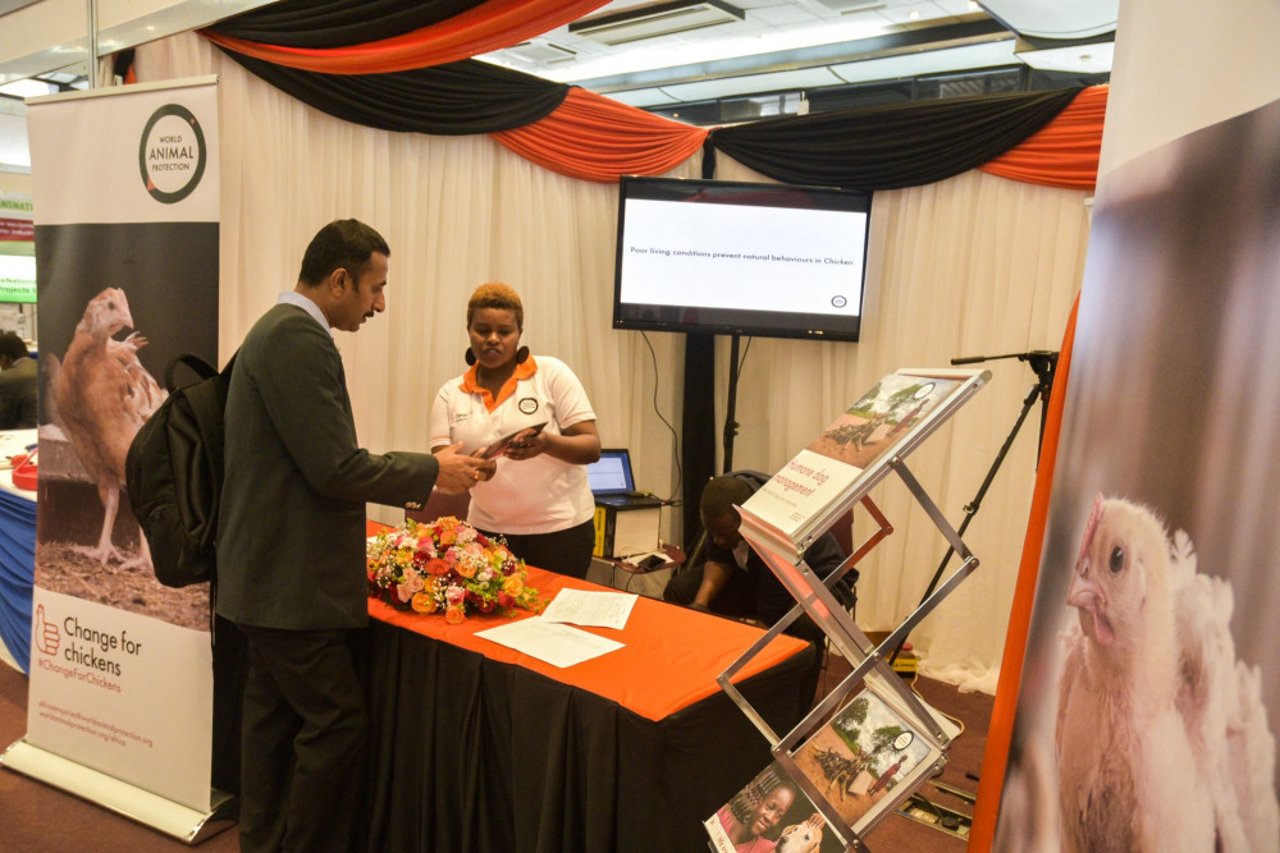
[{"x": 971, "y": 508}]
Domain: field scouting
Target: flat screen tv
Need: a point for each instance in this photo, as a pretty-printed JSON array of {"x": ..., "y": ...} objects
[{"x": 724, "y": 257}]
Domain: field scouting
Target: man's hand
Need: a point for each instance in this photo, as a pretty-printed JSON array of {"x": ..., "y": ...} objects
[
  {"x": 488, "y": 467},
  {"x": 458, "y": 472}
]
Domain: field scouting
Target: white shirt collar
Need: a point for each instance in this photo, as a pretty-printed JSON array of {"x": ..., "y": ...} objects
[{"x": 293, "y": 297}]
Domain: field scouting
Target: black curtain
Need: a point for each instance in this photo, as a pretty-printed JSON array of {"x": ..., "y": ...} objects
[
  {"x": 454, "y": 99},
  {"x": 890, "y": 146},
  {"x": 338, "y": 23}
]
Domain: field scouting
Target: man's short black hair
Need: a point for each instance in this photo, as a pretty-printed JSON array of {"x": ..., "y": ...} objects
[
  {"x": 12, "y": 346},
  {"x": 722, "y": 494},
  {"x": 342, "y": 244}
]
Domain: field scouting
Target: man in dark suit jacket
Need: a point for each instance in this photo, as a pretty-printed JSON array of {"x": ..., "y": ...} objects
[
  {"x": 18, "y": 381},
  {"x": 291, "y": 567}
]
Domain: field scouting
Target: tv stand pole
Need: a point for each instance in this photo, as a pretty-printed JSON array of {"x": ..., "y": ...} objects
[{"x": 731, "y": 425}]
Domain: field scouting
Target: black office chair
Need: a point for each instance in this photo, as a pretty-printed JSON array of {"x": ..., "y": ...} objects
[{"x": 438, "y": 505}]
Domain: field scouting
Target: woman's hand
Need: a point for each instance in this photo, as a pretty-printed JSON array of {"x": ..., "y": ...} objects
[{"x": 527, "y": 444}]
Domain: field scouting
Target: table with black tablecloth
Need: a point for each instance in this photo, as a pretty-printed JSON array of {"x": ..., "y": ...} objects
[{"x": 477, "y": 747}]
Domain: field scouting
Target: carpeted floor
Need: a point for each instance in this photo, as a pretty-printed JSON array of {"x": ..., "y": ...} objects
[{"x": 35, "y": 818}]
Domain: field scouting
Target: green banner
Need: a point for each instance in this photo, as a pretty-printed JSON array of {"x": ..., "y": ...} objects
[{"x": 17, "y": 278}]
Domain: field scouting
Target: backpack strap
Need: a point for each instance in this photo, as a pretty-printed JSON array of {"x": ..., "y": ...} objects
[
  {"x": 207, "y": 401},
  {"x": 194, "y": 363}
]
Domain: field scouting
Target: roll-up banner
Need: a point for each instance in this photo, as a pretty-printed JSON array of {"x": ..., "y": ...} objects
[
  {"x": 1150, "y": 698},
  {"x": 126, "y": 222}
]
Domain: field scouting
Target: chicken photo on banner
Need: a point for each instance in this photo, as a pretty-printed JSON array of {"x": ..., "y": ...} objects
[
  {"x": 101, "y": 397},
  {"x": 1159, "y": 725}
]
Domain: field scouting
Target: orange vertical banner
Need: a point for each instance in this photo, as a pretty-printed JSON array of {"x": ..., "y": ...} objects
[{"x": 1000, "y": 732}]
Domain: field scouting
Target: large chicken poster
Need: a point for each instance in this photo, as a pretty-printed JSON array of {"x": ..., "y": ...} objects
[
  {"x": 126, "y": 204},
  {"x": 1150, "y": 696}
]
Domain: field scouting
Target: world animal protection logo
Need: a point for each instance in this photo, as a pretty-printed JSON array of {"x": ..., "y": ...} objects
[{"x": 172, "y": 154}]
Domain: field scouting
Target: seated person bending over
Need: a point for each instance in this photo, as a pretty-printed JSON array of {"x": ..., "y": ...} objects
[{"x": 732, "y": 580}]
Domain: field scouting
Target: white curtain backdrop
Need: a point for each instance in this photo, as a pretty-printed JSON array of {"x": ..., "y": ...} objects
[{"x": 976, "y": 265}]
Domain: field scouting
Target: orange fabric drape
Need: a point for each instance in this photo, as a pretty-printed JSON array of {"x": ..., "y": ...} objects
[
  {"x": 484, "y": 28},
  {"x": 1064, "y": 153},
  {"x": 1000, "y": 731},
  {"x": 593, "y": 138}
]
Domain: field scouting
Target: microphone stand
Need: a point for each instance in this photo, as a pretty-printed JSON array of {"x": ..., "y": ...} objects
[{"x": 1043, "y": 362}]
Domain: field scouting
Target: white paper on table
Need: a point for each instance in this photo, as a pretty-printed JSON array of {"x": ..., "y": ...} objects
[
  {"x": 582, "y": 607},
  {"x": 558, "y": 645}
]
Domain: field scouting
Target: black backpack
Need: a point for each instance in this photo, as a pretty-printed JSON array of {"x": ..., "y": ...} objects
[{"x": 173, "y": 474}]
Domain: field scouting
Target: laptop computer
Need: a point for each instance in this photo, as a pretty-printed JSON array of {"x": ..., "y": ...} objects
[{"x": 613, "y": 483}]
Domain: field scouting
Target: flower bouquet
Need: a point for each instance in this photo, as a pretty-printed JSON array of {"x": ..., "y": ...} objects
[{"x": 449, "y": 567}]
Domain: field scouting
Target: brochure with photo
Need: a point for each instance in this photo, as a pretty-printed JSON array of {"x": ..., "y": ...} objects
[
  {"x": 850, "y": 455},
  {"x": 868, "y": 758},
  {"x": 862, "y": 763},
  {"x": 520, "y": 435},
  {"x": 771, "y": 813}
]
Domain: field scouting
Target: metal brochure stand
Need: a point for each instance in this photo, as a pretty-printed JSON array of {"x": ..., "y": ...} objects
[{"x": 785, "y": 558}]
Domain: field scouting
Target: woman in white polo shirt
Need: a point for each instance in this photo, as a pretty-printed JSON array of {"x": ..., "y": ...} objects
[{"x": 535, "y": 494}]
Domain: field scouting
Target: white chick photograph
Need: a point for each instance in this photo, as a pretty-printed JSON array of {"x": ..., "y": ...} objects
[
  {"x": 1149, "y": 698},
  {"x": 111, "y": 320}
]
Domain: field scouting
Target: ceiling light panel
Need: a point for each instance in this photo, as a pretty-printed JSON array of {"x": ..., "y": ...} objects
[
  {"x": 643, "y": 98},
  {"x": 987, "y": 55},
  {"x": 912, "y": 13},
  {"x": 1055, "y": 19},
  {"x": 28, "y": 88},
  {"x": 1078, "y": 59},
  {"x": 803, "y": 78}
]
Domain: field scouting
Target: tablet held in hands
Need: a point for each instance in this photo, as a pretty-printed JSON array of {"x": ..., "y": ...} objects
[{"x": 516, "y": 438}]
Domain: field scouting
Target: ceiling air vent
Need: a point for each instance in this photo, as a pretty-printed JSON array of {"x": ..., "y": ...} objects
[
  {"x": 654, "y": 20},
  {"x": 537, "y": 52},
  {"x": 849, "y": 7}
]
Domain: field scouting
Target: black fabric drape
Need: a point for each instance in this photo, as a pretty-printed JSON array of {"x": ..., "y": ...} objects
[
  {"x": 455, "y": 99},
  {"x": 467, "y": 753},
  {"x": 891, "y": 146},
  {"x": 338, "y": 23}
]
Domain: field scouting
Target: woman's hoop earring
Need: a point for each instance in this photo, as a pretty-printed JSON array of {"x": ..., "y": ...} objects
[{"x": 470, "y": 357}]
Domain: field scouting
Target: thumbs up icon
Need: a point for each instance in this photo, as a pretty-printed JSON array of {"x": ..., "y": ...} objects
[{"x": 45, "y": 635}]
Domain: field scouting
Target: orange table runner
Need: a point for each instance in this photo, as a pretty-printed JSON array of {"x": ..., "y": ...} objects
[{"x": 670, "y": 659}]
